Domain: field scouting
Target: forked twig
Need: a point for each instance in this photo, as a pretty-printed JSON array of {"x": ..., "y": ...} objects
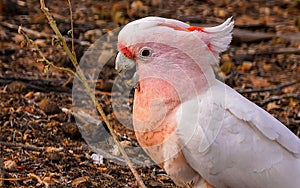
[
  {"x": 82, "y": 78},
  {"x": 31, "y": 175},
  {"x": 41, "y": 54}
]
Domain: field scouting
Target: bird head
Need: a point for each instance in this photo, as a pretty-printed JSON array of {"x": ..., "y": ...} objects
[{"x": 158, "y": 45}]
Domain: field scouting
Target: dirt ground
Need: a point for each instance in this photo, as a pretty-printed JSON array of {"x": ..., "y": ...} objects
[{"x": 39, "y": 140}]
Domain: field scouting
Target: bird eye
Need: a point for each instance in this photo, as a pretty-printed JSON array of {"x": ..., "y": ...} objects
[{"x": 145, "y": 52}]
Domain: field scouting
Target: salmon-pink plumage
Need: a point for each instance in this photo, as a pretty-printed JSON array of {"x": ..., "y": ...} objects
[{"x": 199, "y": 130}]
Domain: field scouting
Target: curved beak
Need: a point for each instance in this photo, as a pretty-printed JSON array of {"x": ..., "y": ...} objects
[{"x": 122, "y": 64}]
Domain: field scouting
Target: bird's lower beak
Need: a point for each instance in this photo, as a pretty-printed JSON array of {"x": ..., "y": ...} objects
[{"x": 124, "y": 64}]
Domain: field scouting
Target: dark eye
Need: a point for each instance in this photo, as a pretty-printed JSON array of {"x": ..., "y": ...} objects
[{"x": 145, "y": 52}]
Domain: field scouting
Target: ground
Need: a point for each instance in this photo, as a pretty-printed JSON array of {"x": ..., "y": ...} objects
[{"x": 39, "y": 140}]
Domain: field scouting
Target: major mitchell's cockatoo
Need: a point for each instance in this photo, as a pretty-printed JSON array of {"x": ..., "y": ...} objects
[{"x": 200, "y": 131}]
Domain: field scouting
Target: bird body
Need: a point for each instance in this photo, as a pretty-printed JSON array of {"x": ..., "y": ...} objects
[
  {"x": 251, "y": 149},
  {"x": 195, "y": 127}
]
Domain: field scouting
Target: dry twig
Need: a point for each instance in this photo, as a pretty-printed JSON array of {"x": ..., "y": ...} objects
[
  {"x": 72, "y": 27},
  {"x": 269, "y": 89},
  {"x": 15, "y": 179},
  {"x": 31, "y": 175},
  {"x": 41, "y": 54},
  {"x": 19, "y": 145},
  {"x": 40, "y": 34},
  {"x": 81, "y": 77}
]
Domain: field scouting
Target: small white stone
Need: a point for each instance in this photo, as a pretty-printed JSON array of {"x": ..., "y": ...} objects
[{"x": 98, "y": 159}]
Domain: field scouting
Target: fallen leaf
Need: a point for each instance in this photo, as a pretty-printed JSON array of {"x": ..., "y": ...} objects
[
  {"x": 50, "y": 179},
  {"x": 226, "y": 67},
  {"x": 9, "y": 165},
  {"x": 272, "y": 105},
  {"x": 267, "y": 67},
  {"x": 245, "y": 20},
  {"x": 29, "y": 95},
  {"x": 54, "y": 149},
  {"x": 259, "y": 82},
  {"x": 290, "y": 89},
  {"x": 102, "y": 168},
  {"x": 292, "y": 103},
  {"x": 48, "y": 106},
  {"x": 15, "y": 87},
  {"x": 246, "y": 66},
  {"x": 220, "y": 12}
]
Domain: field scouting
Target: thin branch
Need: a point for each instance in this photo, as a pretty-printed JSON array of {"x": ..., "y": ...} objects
[
  {"x": 40, "y": 34},
  {"x": 38, "y": 84},
  {"x": 268, "y": 51},
  {"x": 269, "y": 99},
  {"x": 31, "y": 175},
  {"x": 269, "y": 89},
  {"x": 15, "y": 179},
  {"x": 277, "y": 98},
  {"x": 88, "y": 90},
  {"x": 27, "y": 30},
  {"x": 42, "y": 55},
  {"x": 24, "y": 146},
  {"x": 58, "y": 34},
  {"x": 72, "y": 27}
]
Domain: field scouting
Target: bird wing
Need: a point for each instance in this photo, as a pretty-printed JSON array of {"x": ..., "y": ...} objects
[
  {"x": 257, "y": 118},
  {"x": 227, "y": 138},
  {"x": 211, "y": 108}
]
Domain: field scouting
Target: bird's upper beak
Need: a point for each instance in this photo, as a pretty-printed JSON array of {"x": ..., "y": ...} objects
[{"x": 123, "y": 64}]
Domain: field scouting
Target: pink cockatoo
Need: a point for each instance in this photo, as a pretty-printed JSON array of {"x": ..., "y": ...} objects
[{"x": 199, "y": 130}]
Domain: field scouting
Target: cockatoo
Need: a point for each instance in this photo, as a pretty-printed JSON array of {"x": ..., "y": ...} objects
[{"x": 199, "y": 130}]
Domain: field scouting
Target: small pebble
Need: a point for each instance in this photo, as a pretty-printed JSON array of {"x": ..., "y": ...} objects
[{"x": 98, "y": 159}]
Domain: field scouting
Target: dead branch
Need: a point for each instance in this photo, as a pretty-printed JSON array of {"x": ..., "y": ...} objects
[
  {"x": 30, "y": 31},
  {"x": 44, "y": 58},
  {"x": 270, "y": 99},
  {"x": 248, "y": 36},
  {"x": 40, "y": 34},
  {"x": 19, "y": 145},
  {"x": 281, "y": 51},
  {"x": 269, "y": 89},
  {"x": 38, "y": 84},
  {"x": 15, "y": 179},
  {"x": 268, "y": 51},
  {"x": 243, "y": 35},
  {"x": 31, "y": 175}
]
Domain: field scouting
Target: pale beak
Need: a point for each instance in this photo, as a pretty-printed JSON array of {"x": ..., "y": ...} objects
[{"x": 123, "y": 64}]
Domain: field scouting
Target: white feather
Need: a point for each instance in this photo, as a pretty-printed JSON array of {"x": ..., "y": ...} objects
[
  {"x": 220, "y": 36},
  {"x": 250, "y": 148}
]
